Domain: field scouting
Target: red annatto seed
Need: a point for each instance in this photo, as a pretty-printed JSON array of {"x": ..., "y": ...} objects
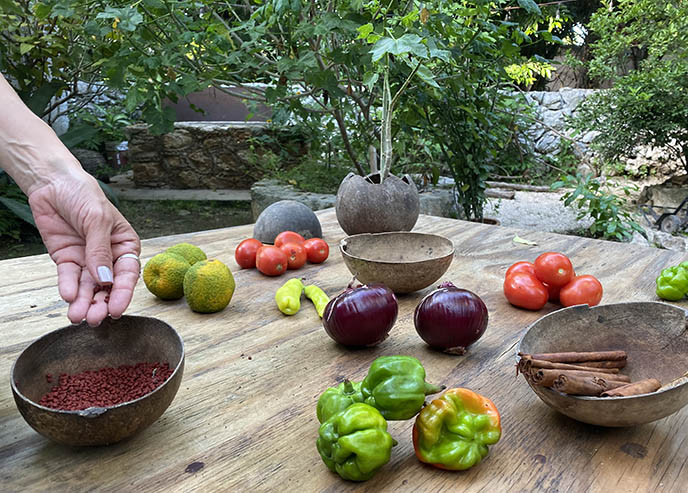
[{"x": 105, "y": 387}]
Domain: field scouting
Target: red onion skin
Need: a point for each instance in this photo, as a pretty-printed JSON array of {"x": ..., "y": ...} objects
[
  {"x": 451, "y": 319},
  {"x": 361, "y": 316}
]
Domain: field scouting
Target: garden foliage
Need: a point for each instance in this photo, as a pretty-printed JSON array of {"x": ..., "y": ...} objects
[{"x": 643, "y": 50}]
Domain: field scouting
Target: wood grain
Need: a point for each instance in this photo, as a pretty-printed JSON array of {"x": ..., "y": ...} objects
[{"x": 244, "y": 417}]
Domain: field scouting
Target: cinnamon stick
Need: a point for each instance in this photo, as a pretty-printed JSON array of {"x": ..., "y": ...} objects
[
  {"x": 575, "y": 385},
  {"x": 577, "y": 356},
  {"x": 603, "y": 364},
  {"x": 636, "y": 388},
  {"x": 537, "y": 363},
  {"x": 546, "y": 377}
]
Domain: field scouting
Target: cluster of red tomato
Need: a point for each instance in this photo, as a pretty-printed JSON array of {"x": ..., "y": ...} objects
[
  {"x": 551, "y": 277},
  {"x": 290, "y": 251}
]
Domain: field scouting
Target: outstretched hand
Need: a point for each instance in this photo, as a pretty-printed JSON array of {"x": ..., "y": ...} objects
[{"x": 85, "y": 236}]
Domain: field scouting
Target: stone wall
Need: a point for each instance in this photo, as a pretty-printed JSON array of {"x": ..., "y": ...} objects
[
  {"x": 206, "y": 155},
  {"x": 552, "y": 108}
]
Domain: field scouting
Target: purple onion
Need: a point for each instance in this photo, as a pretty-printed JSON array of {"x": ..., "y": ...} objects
[
  {"x": 450, "y": 318},
  {"x": 361, "y": 316}
]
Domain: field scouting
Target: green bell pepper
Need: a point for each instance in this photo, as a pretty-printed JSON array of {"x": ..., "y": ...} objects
[
  {"x": 454, "y": 430},
  {"x": 354, "y": 443},
  {"x": 336, "y": 399},
  {"x": 396, "y": 386},
  {"x": 672, "y": 283}
]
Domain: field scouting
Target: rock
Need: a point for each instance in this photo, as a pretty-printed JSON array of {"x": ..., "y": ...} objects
[
  {"x": 93, "y": 163},
  {"x": 670, "y": 242},
  {"x": 286, "y": 215}
]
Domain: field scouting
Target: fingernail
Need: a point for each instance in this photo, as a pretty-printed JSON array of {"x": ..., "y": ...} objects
[
  {"x": 104, "y": 274},
  {"x": 115, "y": 318}
]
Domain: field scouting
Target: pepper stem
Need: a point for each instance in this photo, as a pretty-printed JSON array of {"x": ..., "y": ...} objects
[
  {"x": 348, "y": 387},
  {"x": 433, "y": 389}
]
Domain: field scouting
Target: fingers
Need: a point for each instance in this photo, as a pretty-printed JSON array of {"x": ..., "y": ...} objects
[
  {"x": 68, "y": 274},
  {"x": 98, "y": 250},
  {"x": 82, "y": 303},
  {"x": 126, "y": 276}
]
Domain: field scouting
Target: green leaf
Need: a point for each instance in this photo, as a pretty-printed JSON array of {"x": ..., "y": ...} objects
[
  {"x": 78, "y": 134},
  {"x": 10, "y": 7},
  {"x": 22, "y": 211},
  {"x": 522, "y": 241},
  {"x": 24, "y": 48},
  {"x": 364, "y": 31},
  {"x": 370, "y": 79},
  {"x": 408, "y": 43},
  {"x": 530, "y": 6},
  {"x": 426, "y": 75},
  {"x": 38, "y": 100}
]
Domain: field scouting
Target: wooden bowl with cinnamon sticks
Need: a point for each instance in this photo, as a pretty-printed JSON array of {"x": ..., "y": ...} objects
[{"x": 621, "y": 364}]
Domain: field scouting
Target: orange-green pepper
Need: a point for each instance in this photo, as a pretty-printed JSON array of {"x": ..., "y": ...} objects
[
  {"x": 288, "y": 297},
  {"x": 454, "y": 431}
]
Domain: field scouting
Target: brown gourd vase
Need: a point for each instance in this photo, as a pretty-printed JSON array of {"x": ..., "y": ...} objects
[{"x": 364, "y": 205}]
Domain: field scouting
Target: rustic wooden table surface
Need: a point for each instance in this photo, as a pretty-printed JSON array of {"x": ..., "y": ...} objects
[{"x": 244, "y": 417}]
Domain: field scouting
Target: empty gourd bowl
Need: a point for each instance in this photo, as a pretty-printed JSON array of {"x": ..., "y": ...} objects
[
  {"x": 78, "y": 348},
  {"x": 403, "y": 261},
  {"x": 655, "y": 339}
]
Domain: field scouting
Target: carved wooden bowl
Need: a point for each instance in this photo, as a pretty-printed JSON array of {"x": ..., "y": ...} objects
[
  {"x": 655, "y": 338},
  {"x": 403, "y": 261},
  {"x": 77, "y": 348}
]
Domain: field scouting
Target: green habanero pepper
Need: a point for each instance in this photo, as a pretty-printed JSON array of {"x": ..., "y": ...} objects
[
  {"x": 396, "y": 386},
  {"x": 672, "y": 283},
  {"x": 336, "y": 399},
  {"x": 354, "y": 443},
  {"x": 288, "y": 297},
  {"x": 453, "y": 431},
  {"x": 318, "y": 297}
]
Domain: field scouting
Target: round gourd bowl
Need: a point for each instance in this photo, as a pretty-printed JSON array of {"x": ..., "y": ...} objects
[
  {"x": 78, "y": 348},
  {"x": 403, "y": 261},
  {"x": 653, "y": 335}
]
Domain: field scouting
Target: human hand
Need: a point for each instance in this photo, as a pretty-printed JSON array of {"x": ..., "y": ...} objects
[{"x": 84, "y": 233}]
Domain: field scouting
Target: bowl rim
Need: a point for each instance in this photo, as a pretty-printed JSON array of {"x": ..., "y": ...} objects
[
  {"x": 98, "y": 410},
  {"x": 343, "y": 243},
  {"x": 679, "y": 382}
]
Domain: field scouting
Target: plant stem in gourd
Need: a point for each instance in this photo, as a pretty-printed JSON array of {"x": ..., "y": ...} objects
[{"x": 386, "y": 134}]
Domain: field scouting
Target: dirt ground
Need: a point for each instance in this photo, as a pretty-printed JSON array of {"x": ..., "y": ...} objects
[{"x": 155, "y": 218}]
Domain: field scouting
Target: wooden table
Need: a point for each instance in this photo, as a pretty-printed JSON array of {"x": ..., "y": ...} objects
[{"x": 244, "y": 418}]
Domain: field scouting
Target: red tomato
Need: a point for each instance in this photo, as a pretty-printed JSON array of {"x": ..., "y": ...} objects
[
  {"x": 553, "y": 291},
  {"x": 296, "y": 254},
  {"x": 271, "y": 261},
  {"x": 245, "y": 253},
  {"x": 527, "y": 267},
  {"x": 524, "y": 290},
  {"x": 317, "y": 250},
  {"x": 554, "y": 268},
  {"x": 582, "y": 290},
  {"x": 288, "y": 237}
]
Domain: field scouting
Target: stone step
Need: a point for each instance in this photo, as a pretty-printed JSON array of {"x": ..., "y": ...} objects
[{"x": 124, "y": 187}]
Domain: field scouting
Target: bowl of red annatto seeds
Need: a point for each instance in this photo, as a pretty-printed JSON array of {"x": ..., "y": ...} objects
[{"x": 82, "y": 385}]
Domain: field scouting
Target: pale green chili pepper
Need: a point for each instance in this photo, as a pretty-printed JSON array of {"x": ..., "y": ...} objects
[
  {"x": 318, "y": 297},
  {"x": 288, "y": 297}
]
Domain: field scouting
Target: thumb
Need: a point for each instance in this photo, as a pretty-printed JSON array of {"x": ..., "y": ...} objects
[{"x": 99, "y": 252}]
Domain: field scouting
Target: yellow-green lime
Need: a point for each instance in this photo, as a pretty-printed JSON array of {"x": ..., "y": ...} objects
[
  {"x": 190, "y": 252},
  {"x": 208, "y": 286},
  {"x": 164, "y": 275}
]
